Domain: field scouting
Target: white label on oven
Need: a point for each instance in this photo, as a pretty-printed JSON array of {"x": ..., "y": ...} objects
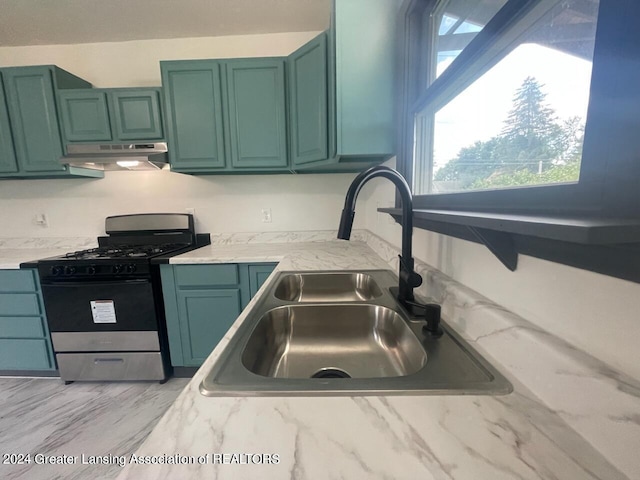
[{"x": 103, "y": 311}]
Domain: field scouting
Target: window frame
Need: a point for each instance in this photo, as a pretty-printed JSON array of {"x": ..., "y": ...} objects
[{"x": 609, "y": 184}]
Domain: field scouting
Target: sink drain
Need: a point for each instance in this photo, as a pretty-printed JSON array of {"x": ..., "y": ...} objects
[{"x": 330, "y": 372}]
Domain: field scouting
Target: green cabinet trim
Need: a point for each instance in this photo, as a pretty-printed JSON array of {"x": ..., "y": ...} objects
[
  {"x": 85, "y": 115},
  {"x": 257, "y": 115},
  {"x": 308, "y": 102},
  {"x": 193, "y": 102}
]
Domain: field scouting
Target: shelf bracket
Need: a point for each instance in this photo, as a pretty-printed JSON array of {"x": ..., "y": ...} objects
[{"x": 500, "y": 244}]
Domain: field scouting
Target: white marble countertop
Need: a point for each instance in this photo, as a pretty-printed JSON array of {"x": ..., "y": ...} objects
[
  {"x": 14, "y": 251},
  {"x": 518, "y": 436}
]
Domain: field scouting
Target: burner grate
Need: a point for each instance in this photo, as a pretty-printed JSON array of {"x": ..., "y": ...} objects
[{"x": 125, "y": 251}]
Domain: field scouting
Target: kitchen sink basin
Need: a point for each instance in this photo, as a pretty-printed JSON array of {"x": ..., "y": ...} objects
[
  {"x": 327, "y": 287},
  {"x": 333, "y": 341},
  {"x": 312, "y": 334}
]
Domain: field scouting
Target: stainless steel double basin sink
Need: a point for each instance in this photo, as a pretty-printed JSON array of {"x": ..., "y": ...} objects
[{"x": 343, "y": 333}]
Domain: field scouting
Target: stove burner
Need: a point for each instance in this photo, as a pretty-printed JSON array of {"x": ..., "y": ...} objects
[{"x": 124, "y": 251}]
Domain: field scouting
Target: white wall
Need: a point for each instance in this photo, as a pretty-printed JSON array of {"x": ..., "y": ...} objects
[
  {"x": 222, "y": 203},
  {"x": 596, "y": 313},
  {"x": 230, "y": 203}
]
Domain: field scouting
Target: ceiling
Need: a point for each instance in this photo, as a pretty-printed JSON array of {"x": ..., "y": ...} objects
[{"x": 39, "y": 22}]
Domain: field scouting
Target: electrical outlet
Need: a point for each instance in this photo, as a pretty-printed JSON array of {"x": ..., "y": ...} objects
[
  {"x": 266, "y": 215},
  {"x": 41, "y": 219}
]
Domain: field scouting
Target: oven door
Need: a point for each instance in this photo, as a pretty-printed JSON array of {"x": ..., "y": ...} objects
[{"x": 100, "y": 306}]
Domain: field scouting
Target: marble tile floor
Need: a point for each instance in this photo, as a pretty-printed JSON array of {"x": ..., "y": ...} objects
[{"x": 43, "y": 416}]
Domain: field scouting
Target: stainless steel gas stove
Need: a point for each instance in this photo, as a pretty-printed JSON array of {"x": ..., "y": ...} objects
[{"x": 104, "y": 305}]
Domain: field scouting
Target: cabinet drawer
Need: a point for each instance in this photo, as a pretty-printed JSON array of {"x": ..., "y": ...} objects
[
  {"x": 19, "y": 304},
  {"x": 24, "y": 355},
  {"x": 17, "y": 281},
  {"x": 206, "y": 275},
  {"x": 21, "y": 327}
]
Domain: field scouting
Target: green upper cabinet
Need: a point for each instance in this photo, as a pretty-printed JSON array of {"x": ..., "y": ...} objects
[
  {"x": 257, "y": 117},
  {"x": 32, "y": 108},
  {"x": 193, "y": 103},
  {"x": 360, "y": 90},
  {"x": 33, "y": 120},
  {"x": 111, "y": 115},
  {"x": 226, "y": 116},
  {"x": 8, "y": 162},
  {"x": 308, "y": 102},
  {"x": 85, "y": 115},
  {"x": 136, "y": 114}
]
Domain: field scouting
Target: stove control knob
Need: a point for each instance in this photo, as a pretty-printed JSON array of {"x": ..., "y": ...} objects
[
  {"x": 117, "y": 269},
  {"x": 69, "y": 270},
  {"x": 55, "y": 271},
  {"x": 91, "y": 270},
  {"x": 131, "y": 268}
]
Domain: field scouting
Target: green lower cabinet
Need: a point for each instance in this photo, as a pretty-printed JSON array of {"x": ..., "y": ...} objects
[
  {"x": 202, "y": 302},
  {"x": 25, "y": 344}
]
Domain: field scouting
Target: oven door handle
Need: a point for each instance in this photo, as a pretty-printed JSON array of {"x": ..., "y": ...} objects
[{"x": 94, "y": 283}]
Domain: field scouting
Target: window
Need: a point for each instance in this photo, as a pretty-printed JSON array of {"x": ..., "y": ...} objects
[{"x": 523, "y": 106}]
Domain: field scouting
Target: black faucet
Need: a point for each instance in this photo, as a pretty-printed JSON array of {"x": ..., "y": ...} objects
[{"x": 408, "y": 278}]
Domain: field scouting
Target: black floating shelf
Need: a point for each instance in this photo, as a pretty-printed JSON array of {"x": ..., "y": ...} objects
[
  {"x": 587, "y": 231},
  {"x": 606, "y": 245}
]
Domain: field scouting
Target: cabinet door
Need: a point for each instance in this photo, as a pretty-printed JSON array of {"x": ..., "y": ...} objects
[
  {"x": 84, "y": 115},
  {"x": 7, "y": 153},
  {"x": 307, "y": 70},
  {"x": 258, "y": 274},
  {"x": 257, "y": 119},
  {"x": 136, "y": 115},
  {"x": 32, "y": 109},
  {"x": 205, "y": 317},
  {"x": 193, "y": 104}
]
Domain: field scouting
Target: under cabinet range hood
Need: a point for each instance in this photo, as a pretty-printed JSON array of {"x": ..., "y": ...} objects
[{"x": 117, "y": 156}]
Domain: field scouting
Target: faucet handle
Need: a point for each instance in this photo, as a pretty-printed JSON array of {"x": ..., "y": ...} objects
[
  {"x": 431, "y": 313},
  {"x": 408, "y": 274}
]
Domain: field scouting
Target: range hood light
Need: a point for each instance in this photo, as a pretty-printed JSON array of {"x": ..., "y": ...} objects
[
  {"x": 128, "y": 163},
  {"x": 123, "y": 156}
]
